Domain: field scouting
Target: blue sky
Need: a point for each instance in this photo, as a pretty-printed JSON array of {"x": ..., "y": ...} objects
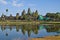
[{"x": 43, "y": 6}]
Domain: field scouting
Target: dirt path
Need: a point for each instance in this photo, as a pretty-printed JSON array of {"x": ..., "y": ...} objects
[{"x": 47, "y": 38}]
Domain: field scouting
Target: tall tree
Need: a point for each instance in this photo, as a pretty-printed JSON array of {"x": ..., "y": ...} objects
[
  {"x": 57, "y": 16},
  {"x": 48, "y": 15},
  {"x": 6, "y": 10}
]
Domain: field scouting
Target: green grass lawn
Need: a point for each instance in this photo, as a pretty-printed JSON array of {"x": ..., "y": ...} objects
[{"x": 27, "y": 22}]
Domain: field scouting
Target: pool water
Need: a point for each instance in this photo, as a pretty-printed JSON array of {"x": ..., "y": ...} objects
[{"x": 24, "y": 32}]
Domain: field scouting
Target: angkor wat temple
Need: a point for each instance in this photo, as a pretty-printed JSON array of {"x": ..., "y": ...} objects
[{"x": 31, "y": 16}]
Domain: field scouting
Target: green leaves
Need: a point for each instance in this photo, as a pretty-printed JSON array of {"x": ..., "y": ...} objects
[{"x": 6, "y": 10}]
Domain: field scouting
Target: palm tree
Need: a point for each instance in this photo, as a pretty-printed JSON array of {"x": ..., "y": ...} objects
[{"x": 6, "y": 10}]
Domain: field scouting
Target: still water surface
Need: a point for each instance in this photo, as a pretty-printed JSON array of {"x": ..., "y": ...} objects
[{"x": 23, "y": 32}]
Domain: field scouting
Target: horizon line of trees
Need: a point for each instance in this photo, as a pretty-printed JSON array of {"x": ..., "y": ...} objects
[
  {"x": 30, "y": 16},
  {"x": 32, "y": 28}
]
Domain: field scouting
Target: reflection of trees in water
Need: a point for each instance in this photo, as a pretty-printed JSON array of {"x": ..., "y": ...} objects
[
  {"x": 6, "y": 34},
  {"x": 35, "y": 29},
  {"x": 29, "y": 29},
  {"x": 3, "y": 27},
  {"x": 29, "y": 32},
  {"x": 17, "y": 28},
  {"x": 53, "y": 28},
  {"x": 32, "y": 28},
  {"x": 10, "y": 28},
  {"x": 24, "y": 28}
]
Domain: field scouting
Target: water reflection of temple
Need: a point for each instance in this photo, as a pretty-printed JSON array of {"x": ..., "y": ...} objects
[
  {"x": 3, "y": 27},
  {"x": 52, "y": 28},
  {"x": 24, "y": 28},
  {"x": 29, "y": 29},
  {"x": 32, "y": 28}
]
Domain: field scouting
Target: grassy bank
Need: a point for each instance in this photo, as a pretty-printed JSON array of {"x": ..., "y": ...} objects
[
  {"x": 18, "y": 23},
  {"x": 26, "y": 22}
]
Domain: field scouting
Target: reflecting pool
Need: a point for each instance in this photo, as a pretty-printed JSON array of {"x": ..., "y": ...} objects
[{"x": 24, "y": 32}]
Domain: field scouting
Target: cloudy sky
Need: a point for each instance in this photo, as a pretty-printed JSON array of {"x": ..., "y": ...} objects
[{"x": 43, "y": 6}]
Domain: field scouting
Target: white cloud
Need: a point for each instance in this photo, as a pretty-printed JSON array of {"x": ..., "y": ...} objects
[
  {"x": 3, "y": 2},
  {"x": 17, "y": 4},
  {"x": 14, "y": 3}
]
